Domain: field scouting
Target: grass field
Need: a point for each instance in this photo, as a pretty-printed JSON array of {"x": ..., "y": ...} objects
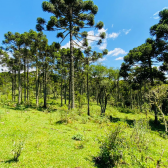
[{"x": 32, "y": 138}]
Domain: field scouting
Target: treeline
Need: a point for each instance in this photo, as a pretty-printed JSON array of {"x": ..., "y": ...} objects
[
  {"x": 146, "y": 66},
  {"x": 37, "y": 69}
]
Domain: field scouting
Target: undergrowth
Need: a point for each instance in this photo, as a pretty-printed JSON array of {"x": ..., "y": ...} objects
[{"x": 125, "y": 147}]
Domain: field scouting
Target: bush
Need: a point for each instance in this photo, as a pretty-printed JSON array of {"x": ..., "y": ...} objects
[
  {"x": 17, "y": 149},
  {"x": 78, "y": 137},
  {"x": 127, "y": 149},
  {"x": 111, "y": 150}
]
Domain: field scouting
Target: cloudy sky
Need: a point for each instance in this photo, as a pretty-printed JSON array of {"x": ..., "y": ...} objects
[{"x": 126, "y": 23}]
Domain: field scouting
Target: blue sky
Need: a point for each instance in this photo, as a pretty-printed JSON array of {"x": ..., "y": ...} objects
[{"x": 127, "y": 23}]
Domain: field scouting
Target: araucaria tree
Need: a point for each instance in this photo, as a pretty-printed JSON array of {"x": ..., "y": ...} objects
[{"x": 69, "y": 17}]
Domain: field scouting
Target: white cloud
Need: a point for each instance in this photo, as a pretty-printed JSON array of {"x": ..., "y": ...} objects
[
  {"x": 119, "y": 58},
  {"x": 67, "y": 45},
  {"x": 103, "y": 45},
  {"x": 10, "y": 54},
  {"x": 91, "y": 37},
  {"x": 102, "y": 30},
  {"x": 116, "y": 52},
  {"x": 112, "y": 25},
  {"x": 156, "y": 13},
  {"x": 113, "y": 35},
  {"x": 165, "y": 8},
  {"x": 156, "y": 17},
  {"x": 101, "y": 59},
  {"x": 126, "y": 31}
]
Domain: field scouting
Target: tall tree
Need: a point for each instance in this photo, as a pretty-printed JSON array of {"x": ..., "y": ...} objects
[
  {"x": 160, "y": 32},
  {"x": 70, "y": 16},
  {"x": 38, "y": 40},
  {"x": 91, "y": 57},
  {"x": 14, "y": 43}
]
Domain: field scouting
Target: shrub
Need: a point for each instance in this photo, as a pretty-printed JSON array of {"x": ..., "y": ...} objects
[
  {"x": 127, "y": 149},
  {"x": 78, "y": 137},
  {"x": 111, "y": 150},
  {"x": 17, "y": 149}
]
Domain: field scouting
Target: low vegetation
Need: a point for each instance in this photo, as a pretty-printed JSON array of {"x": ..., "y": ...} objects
[{"x": 56, "y": 137}]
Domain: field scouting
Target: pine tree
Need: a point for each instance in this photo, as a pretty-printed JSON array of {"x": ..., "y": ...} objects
[{"x": 69, "y": 17}]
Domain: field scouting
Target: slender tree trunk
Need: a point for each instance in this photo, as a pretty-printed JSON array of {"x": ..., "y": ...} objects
[
  {"x": 65, "y": 89},
  {"x": 118, "y": 80},
  {"x": 21, "y": 91},
  {"x": 116, "y": 94},
  {"x": 45, "y": 88},
  {"x": 37, "y": 84},
  {"x": 131, "y": 98},
  {"x": 72, "y": 64},
  {"x": 19, "y": 85},
  {"x": 151, "y": 73},
  {"x": 27, "y": 81},
  {"x": 164, "y": 119},
  {"x": 141, "y": 98},
  {"x": 88, "y": 86},
  {"x": 12, "y": 86},
  {"x": 24, "y": 79},
  {"x": 81, "y": 87},
  {"x": 61, "y": 80},
  {"x": 156, "y": 117},
  {"x": 69, "y": 103},
  {"x": 97, "y": 96}
]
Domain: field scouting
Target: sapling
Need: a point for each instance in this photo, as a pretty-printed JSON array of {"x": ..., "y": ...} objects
[{"x": 18, "y": 147}]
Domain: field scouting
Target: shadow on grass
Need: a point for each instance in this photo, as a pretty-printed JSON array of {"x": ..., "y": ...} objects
[
  {"x": 11, "y": 161},
  {"x": 126, "y": 110},
  {"x": 115, "y": 119},
  {"x": 159, "y": 127},
  {"x": 99, "y": 163},
  {"x": 22, "y": 107},
  {"x": 61, "y": 122}
]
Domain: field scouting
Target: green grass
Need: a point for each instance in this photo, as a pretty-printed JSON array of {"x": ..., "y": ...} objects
[{"x": 48, "y": 137}]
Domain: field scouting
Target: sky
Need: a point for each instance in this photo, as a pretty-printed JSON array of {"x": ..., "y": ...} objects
[{"x": 126, "y": 23}]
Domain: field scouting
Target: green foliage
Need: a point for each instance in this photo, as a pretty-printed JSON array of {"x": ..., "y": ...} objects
[
  {"x": 17, "y": 149},
  {"x": 78, "y": 137},
  {"x": 81, "y": 99},
  {"x": 99, "y": 25},
  {"x": 111, "y": 150},
  {"x": 46, "y": 142},
  {"x": 127, "y": 149}
]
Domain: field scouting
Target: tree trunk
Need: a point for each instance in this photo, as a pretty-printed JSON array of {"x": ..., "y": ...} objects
[
  {"x": 151, "y": 73},
  {"x": 45, "y": 88},
  {"x": 27, "y": 81},
  {"x": 19, "y": 85},
  {"x": 156, "y": 117},
  {"x": 131, "y": 98},
  {"x": 69, "y": 103},
  {"x": 88, "y": 86},
  {"x": 37, "y": 85},
  {"x": 12, "y": 86},
  {"x": 72, "y": 64},
  {"x": 164, "y": 120},
  {"x": 61, "y": 80},
  {"x": 24, "y": 79},
  {"x": 65, "y": 89}
]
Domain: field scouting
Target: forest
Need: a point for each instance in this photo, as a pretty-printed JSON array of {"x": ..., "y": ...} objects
[{"x": 59, "y": 107}]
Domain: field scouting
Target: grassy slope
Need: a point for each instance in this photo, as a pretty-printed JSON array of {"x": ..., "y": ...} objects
[{"x": 48, "y": 142}]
